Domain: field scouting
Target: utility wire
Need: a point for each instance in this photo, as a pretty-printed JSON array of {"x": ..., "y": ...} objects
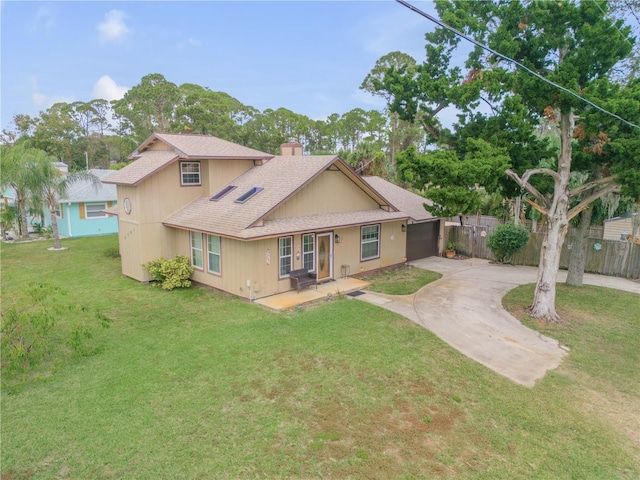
[
  {"x": 619, "y": 31},
  {"x": 515, "y": 62}
]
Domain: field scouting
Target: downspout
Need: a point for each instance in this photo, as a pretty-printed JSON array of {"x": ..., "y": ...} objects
[{"x": 69, "y": 219}]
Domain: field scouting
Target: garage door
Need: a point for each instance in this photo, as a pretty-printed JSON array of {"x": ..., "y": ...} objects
[{"x": 422, "y": 240}]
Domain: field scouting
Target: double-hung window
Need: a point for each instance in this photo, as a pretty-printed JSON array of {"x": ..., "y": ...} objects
[
  {"x": 308, "y": 244},
  {"x": 95, "y": 210},
  {"x": 190, "y": 173},
  {"x": 285, "y": 249},
  {"x": 196, "y": 249},
  {"x": 213, "y": 253},
  {"x": 369, "y": 242}
]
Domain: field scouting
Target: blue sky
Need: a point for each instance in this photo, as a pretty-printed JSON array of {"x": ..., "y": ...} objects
[{"x": 309, "y": 57}]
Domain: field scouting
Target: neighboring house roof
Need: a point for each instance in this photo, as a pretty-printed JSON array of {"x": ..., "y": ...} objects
[
  {"x": 403, "y": 200},
  {"x": 185, "y": 147},
  {"x": 279, "y": 179},
  {"x": 86, "y": 191}
]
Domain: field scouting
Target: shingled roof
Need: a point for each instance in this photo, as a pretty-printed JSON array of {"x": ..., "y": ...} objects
[
  {"x": 184, "y": 147},
  {"x": 246, "y": 220},
  {"x": 86, "y": 191},
  {"x": 403, "y": 200},
  {"x": 203, "y": 146}
]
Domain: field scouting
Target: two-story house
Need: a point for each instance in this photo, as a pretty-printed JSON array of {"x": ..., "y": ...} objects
[{"x": 247, "y": 218}]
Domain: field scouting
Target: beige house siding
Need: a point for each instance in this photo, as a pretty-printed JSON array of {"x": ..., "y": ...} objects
[
  {"x": 330, "y": 192},
  {"x": 257, "y": 262},
  {"x": 160, "y": 146},
  {"x": 222, "y": 172},
  {"x": 392, "y": 249},
  {"x": 141, "y": 233},
  {"x": 613, "y": 228}
]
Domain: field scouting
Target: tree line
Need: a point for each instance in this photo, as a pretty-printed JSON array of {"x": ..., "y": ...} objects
[{"x": 98, "y": 133}]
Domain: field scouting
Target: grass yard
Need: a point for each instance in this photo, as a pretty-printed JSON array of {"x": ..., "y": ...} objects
[
  {"x": 191, "y": 384},
  {"x": 402, "y": 281}
]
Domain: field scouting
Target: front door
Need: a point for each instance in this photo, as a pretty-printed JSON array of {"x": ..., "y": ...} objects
[{"x": 325, "y": 256}]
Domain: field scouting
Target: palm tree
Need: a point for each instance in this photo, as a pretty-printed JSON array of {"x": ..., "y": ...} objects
[
  {"x": 49, "y": 184},
  {"x": 16, "y": 175}
]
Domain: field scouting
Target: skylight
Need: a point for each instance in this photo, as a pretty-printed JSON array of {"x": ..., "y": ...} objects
[
  {"x": 222, "y": 193},
  {"x": 246, "y": 196}
]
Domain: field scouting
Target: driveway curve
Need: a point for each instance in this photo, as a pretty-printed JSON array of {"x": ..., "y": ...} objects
[{"x": 464, "y": 308}]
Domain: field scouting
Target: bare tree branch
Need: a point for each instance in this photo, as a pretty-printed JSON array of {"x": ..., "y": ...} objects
[
  {"x": 590, "y": 185},
  {"x": 536, "y": 171},
  {"x": 527, "y": 186},
  {"x": 612, "y": 187},
  {"x": 536, "y": 206}
]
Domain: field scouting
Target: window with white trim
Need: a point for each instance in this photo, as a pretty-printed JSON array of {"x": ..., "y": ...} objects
[
  {"x": 59, "y": 210},
  {"x": 196, "y": 249},
  {"x": 190, "y": 173},
  {"x": 285, "y": 249},
  {"x": 308, "y": 249},
  {"x": 94, "y": 210},
  {"x": 213, "y": 253},
  {"x": 369, "y": 242}
]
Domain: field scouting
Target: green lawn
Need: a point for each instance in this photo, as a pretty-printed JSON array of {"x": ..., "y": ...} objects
[
  {"x": 191, "y": 384},
  {"x": 402, "y": 281}
]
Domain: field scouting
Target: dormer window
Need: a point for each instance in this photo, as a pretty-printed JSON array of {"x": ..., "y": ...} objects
[
  {"x": 190, "y": 173},
  {"x": 246, "y": 196}
]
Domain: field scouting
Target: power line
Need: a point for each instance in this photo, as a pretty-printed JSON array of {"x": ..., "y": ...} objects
[
  {"x": 619, "y": 31},
  {"x": 515, "y": 62}
]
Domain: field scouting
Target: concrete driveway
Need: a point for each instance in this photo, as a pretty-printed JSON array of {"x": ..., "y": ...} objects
[{"x": 464, "y": 308}]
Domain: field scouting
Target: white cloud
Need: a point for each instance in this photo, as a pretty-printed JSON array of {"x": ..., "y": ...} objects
[
  {"x": 43, "y": 101},
  {"x": 44, "y": 19},
  {"x": 107, "y": 89},
  {"x": 113, "y": 29}
]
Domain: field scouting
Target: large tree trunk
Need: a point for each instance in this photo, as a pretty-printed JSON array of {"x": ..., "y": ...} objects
[
  {"x": 54, "y": 227},
  {"x": 578, "y": 250},
  {"x": 22, "y": 212},
  {"x": 544, "y": 300}
]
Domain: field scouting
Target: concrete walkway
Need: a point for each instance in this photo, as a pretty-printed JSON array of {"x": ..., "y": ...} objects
[{"x": 464, "y": 308}]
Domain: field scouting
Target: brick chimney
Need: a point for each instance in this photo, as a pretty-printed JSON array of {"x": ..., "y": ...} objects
[{"x": 291, "y": 148}]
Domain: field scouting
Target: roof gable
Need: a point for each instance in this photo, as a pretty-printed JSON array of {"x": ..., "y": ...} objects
[
  {"x": 148, "y": 159},
  {"x": 280, "y": 179},
  {"x": 201, "y": 146}
]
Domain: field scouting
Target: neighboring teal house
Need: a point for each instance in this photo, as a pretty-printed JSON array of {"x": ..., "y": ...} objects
[{"x": 82, "y": 212}]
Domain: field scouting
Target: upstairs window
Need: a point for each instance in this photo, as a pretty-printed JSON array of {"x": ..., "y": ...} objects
[{"x": 190, "y": 173}]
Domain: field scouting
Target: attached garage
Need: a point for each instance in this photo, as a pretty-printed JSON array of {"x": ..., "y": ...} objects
[
  {"x": 423, "y": 229},
  {"x": 422, "y": 239}
]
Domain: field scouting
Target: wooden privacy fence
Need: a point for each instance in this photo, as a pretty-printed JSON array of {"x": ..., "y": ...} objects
[{"x": 607, "y": 257}]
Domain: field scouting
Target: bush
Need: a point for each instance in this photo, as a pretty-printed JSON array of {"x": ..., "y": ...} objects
[
  {"x": 112, "y": 251},
  {"x": 171, "y": 273},
  {"x": 507, "y": 240}
]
